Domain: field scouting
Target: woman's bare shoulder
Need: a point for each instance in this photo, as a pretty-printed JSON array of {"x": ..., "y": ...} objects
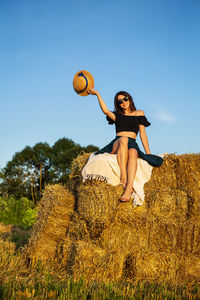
[{"x": 139, "y": 112}]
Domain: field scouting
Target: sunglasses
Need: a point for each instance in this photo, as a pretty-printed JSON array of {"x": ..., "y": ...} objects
[{"x": 120, "y": 101}]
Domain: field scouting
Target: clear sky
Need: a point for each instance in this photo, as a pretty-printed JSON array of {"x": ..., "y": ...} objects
[{"x": 150, "y": 48}]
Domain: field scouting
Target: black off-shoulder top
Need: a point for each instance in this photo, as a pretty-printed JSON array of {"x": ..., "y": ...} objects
[{"x": 128, "y": 123}]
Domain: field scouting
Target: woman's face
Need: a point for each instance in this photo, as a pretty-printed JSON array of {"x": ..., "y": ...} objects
[{"x": 122, "y": 102}]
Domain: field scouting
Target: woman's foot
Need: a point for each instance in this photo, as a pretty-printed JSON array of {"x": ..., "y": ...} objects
[
  {"x": 126, "y": 195},
  {"x": 123, "y": 182}
]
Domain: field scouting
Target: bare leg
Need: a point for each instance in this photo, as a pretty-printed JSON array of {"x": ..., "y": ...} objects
[
  {"x": 131, "y": 171},
  {"x": 121, "y": 148}
]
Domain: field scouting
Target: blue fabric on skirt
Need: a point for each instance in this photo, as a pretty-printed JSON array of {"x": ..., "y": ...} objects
[{"x": 153, "y": 160}]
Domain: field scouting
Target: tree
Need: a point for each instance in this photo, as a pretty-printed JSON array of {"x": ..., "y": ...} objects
[{"x": 29, "y": 170}]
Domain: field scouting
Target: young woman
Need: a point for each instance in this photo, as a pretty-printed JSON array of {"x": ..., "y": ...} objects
[{"x": 128, "y": 122}]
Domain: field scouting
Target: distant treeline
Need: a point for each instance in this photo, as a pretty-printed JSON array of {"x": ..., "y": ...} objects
[{"x": 34, "y": 167}]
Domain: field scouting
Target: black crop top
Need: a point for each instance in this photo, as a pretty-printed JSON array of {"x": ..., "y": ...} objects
[{"x": 128, "y": 123}]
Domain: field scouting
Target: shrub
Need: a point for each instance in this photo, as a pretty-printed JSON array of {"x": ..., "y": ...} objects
[{"x": 21, "y": 212}]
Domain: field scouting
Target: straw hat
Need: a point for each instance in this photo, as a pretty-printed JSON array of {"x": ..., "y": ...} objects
[{"x": 83, "y": 81}]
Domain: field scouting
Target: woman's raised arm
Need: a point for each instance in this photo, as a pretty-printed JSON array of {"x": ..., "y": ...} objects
[{"x": 102, "y": 104}]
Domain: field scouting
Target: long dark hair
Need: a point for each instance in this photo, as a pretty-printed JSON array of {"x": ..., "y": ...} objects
[{"x": 118, "y": 108}]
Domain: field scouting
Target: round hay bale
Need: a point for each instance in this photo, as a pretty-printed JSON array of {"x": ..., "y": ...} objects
[{"x": 54, "y": 212}]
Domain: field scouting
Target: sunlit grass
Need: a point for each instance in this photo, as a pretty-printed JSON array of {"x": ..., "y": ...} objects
[{"x": 85, "y": 290}]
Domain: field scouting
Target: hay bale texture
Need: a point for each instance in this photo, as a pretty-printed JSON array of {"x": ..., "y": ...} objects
[
  {"x": 54, "y": 212},
  {"x": 106, "y": 240}
]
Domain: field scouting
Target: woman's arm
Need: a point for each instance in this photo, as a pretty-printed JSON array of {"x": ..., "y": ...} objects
[
  {"x": 144, "y": 139},
  {"x": 103, "y": 106},
  {"x": 143, "y": 135}
]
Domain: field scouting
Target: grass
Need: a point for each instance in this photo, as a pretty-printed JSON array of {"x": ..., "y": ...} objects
[{"x": 83, "y": 290}]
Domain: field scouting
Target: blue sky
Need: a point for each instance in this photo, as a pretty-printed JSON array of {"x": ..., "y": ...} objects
[{"x": 150, "y": 48}]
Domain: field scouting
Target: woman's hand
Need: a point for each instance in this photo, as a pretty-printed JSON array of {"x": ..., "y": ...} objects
[{"x": 92, "y": 92}]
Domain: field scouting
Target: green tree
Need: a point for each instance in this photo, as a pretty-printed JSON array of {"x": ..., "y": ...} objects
[{"x": 33, "y": 167}]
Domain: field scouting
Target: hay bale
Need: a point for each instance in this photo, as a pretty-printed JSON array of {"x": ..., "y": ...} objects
[
  {"x": 154, "y": 267},
  {"x": 178, "y": 173},
  {"x": 97, "y": 264},
  {"x": 76, "y": 168},
  {"x": 188, "y": 172},
  {"x": 162, "y": 267},
  {"x": 63, "y": 253},
  {"x": 188, "y": 180},
  {"x": 105, "y": 240},
  {"x": 97, "y": 202},
  {"x": 77, "y": 230},
  {"x": 170, "y": 203},
  {"x": 138, "y": 229},
  {"x": 127, "y": 231},
  {"x": 189, "y": 238},
  {"x": 54, "y": 212},
  {"x": 164, "y": 176},
  {"x": 192, "y": 269},
  {"x": 164, "y": 232}
]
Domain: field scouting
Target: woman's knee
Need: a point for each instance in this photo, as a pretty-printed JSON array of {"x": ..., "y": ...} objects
[
  {"x": 123, "y": 141},
  {"x": 133, "y": 153}
]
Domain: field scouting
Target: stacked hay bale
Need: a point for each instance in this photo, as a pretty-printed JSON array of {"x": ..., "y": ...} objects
[
  {"x": 96, "y": 200},
  {"x": 54, "y": 213},
  {"x": 97, "y": 203},
  {"x": 99, "y": 238},
  {"x": 159, "y": 241},
  {"x": 96, "y": 263},
  {"x": 173, "y": 218}
]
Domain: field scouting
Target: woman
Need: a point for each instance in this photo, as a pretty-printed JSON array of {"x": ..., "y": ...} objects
[{"x": 128, "y": 122}]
